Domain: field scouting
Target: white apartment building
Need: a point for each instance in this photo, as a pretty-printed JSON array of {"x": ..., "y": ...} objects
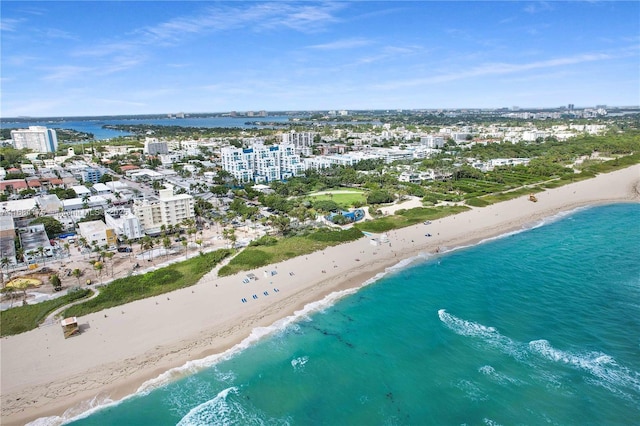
[
  {"x": 303, "y": 141},
  {"x": 153, "y": 146},
  {"x": 262, "y": 163},
  {"x": 320, "y": 162},
  {"x": 124, "y": 223},
  {"x": 533, "y": 135},
  {"x": 431, "y": 141},
  {"x": 36, "y": 138},
  {"x": 97, "y": 233},
  {"x": 167, "y": 209}
]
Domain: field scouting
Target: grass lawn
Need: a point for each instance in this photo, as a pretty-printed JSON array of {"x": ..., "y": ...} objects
[
  {"x": 345, "y": 200},
  {"x": 24, "y": 318}
]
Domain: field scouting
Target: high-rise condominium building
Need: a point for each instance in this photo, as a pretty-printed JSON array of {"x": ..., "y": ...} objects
[
  {"x": 36, "y": 138},
  {"x": 262, "y": 163}
]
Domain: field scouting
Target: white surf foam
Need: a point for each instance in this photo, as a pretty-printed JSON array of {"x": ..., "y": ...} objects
[
  {"x": 501, "y": 378},
  {"x": 602, "y": 366},
  {"x": 85, "y": 409},
  {"x": 214, "y": 411},
  {"x": 489, "y": 335},
  {"x": 229, "y": 409},
  {"x": 298, "y": 363}
]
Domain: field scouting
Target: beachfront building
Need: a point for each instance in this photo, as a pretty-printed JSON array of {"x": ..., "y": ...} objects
[
  {"x": 35, "y": 243},
  {"x": 97, "y": 233},
  {"x": 166, "y": 209},
  {"x": 124, "y": 223},
  {"x": 35, "y": 138},
  {"x": 262, "y": 163},
  {"x": 7, "y": 237}
]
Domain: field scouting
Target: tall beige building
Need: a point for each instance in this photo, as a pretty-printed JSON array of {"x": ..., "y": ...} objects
[{"x": 167, "y": 209}]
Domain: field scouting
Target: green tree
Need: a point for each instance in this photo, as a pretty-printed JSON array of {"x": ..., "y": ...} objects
[
  {"x": 281, "y": 223},
  {"x": 230, "y": 234},
  {"x": 98, "y": 266},
  {"x": 379, "y": 197},
  {"x": 51, "y": 226},
  {"x": 55, "y": 282},
  {"x": 166, "y": 243},
  {"x": 77, "y": 273},
  {"x": 185, "y": 244}
]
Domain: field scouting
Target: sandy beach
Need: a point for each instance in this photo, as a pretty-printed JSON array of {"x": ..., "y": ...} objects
[{"x": 120, "y": 349}]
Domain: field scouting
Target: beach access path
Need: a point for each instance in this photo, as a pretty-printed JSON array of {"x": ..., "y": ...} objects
[{"x": 124, "y": 347}]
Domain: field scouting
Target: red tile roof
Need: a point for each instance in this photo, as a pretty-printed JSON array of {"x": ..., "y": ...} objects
[{"x": 15, "y": 183}]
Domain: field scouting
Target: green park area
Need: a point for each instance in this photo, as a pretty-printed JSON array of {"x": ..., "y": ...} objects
[{"x": 344, "y": 197}]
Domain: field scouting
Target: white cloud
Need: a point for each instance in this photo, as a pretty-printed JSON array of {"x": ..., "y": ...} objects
[
  {"x": 65, "y": 72},
  {"x": 342, "y": 44},
  {"x": 10, "y": 24},
  {"x": 498, "y": 69},
  {"x": 537, "y": 7}
]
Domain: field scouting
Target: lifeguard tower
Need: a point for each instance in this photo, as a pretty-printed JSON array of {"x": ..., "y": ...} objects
[{"x": 70, "y": 327}]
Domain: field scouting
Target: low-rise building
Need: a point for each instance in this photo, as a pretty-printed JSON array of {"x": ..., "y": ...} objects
[
  {"x": 7, "y": 237},
  {"x": 97, "y": 233},
  {"x": 35, "y": 243},
  {"x": 124, "y": 223}
]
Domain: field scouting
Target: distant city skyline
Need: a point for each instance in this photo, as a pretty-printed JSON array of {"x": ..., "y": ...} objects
[{"x": 157, "y": 57}]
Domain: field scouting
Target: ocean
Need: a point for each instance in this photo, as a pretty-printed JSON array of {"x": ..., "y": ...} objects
[{"x": 540, "y": 326}]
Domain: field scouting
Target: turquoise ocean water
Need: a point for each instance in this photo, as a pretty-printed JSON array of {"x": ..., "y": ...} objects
[{"x": 536, "y": 327}]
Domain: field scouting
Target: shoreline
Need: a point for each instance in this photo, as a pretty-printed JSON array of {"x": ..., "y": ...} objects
[{"x": 125, "y": 347}]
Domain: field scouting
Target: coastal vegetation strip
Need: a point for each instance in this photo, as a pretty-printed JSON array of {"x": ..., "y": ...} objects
[
  {"x": 268, "y": 250},
  {"x": 27, "y": 317},
  {"x": 160, "y": 281},
  {"x": 404, "y": 218}
]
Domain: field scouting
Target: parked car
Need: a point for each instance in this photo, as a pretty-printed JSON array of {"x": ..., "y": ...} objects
[{"x": 124, "y": 250}]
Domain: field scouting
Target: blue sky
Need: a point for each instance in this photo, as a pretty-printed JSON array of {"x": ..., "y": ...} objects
[{"x": 122, "y": 57}]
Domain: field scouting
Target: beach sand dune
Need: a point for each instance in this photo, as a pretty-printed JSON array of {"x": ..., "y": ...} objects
[{"x": 121, "y": 348}]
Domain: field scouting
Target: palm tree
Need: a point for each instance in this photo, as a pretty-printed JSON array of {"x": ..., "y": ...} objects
[
  {"x": 147, "y": 244},
  {"x": 20, "y": 255},
  {"x": 109, "y": 255},
  {"x": 186, "y": 247},
  {"x": 77, "y": 273},
  {"x": 98, "y": 267},
  {"x": 126, "y": 241},
  {"x": 41, "y": 253},
  {"x": 166, "y": 243}
]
